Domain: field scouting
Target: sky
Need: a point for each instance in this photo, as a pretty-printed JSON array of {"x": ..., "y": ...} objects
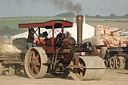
[{"x": 20, "y": 8}]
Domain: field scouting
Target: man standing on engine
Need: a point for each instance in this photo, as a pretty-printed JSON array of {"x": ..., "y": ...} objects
[{"x": 30, "y": 39}]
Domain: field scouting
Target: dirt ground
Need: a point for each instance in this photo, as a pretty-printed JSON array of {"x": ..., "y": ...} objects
[{"x": 111, "y": 77}]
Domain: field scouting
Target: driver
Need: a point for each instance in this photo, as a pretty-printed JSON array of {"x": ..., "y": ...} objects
[{"x": 44, "y": 36}]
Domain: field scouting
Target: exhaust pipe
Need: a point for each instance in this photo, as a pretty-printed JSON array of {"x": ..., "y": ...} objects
[{"x": 79, "y": 28}]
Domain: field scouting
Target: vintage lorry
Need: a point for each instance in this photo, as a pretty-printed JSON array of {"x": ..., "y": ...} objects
[{"x": 110, "y": 45}]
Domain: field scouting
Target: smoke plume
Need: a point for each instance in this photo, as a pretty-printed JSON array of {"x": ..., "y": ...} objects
[
  {"x": 67, "y": 5},
  {"x": 59, "y": 5}
]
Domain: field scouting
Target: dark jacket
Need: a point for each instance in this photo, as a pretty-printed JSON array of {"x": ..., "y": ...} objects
[{"x": 30, "y": 37}]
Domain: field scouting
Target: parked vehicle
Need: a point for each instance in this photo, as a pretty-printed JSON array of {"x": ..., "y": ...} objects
[{"x": 110, "y": 45}]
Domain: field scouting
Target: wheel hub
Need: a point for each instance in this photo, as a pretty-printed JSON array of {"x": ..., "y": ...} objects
[{"x": 32, "y": 62}]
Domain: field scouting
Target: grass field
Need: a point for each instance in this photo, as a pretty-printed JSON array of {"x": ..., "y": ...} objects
[
  {"x": 10, "y": 25},
  {"x": 13, "y": 22},
  {"x": 121, "y": 23}
]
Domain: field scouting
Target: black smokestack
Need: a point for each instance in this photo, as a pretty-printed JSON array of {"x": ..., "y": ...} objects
[
  {"x": 59, "y": 5},
  {"x": 79, "y": 28}
]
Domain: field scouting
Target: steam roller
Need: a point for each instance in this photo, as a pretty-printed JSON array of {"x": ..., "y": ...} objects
[
  {"x": 61, "y": 55},
  {"x": 89, "y": 68}
]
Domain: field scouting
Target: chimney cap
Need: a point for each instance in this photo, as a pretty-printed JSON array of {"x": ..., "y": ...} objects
[{"x": 79, "y": 16}]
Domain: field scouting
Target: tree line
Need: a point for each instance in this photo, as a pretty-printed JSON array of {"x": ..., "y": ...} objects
[{"x": 112, "y": 15}]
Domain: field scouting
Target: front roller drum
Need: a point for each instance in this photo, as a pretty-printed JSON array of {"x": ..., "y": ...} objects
[
  {"x": 91, "y": 68},
  {"x": 35, "y": 60}
]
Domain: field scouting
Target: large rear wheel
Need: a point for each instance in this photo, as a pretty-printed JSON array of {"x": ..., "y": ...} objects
[{"x": 35, "y": 59}]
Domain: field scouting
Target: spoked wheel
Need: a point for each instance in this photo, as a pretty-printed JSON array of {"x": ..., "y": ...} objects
[
  {"x": 63, "y": 74},
  {"x": 35, "y": 59},
  {"x": 120, "y": 64},
  {"x": 76, "y": 73},
  {"x": 112, "y": 62},
  {"x": 90, "y": 68},
  {"x": 10, "y": 70},
  {"x": 1, "y": 68}
]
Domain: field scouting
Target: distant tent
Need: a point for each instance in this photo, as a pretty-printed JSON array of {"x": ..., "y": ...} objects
[{"x": 88, "y": 31}]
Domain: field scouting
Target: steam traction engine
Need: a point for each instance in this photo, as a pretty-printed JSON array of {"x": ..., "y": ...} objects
[{"x": 61, "y": 55}]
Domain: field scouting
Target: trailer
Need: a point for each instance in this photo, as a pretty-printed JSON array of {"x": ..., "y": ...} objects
[
  {"x": 111, "y": 46},
  {"x": 12, "y": 52}
]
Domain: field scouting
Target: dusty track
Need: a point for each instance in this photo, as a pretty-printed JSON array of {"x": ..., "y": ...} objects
[{"x": 111, "y": 77}]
